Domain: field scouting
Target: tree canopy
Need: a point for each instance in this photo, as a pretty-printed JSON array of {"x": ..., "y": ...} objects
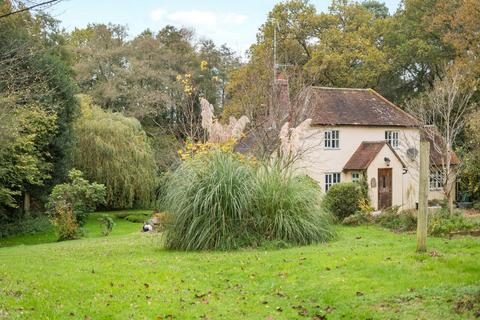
[
  {"x": 359, "y": 44},
  {"x": 37, "y": 106},
  {"x": 113, "y": 149}
]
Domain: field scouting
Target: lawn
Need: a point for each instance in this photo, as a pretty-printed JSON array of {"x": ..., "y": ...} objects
[
  {"x": 92, "y": 229},
  {"x": 367, "y": 273}
]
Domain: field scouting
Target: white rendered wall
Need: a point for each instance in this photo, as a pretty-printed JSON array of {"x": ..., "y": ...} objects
[{"x": 315, "y": 160}]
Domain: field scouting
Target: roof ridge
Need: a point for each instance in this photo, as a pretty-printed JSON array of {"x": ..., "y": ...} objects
[
  {"x": 337, "y": 88},
  {"x": 375, "y": 141}
]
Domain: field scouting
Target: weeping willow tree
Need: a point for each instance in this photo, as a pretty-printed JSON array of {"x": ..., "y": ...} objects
[{"x": 113, "y": 150}]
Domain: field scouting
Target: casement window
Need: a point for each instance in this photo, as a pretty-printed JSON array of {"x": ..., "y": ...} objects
[
  {"x": 392, "y": 138},
  {"x": 331, "y": 179},
  {"x": 332, "y": 139},
  {"x": 355, "y": 176},
  {"x": 436, "y": 180}
]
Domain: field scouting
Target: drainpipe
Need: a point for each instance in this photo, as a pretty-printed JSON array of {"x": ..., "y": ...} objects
[{"x": 405, "y": 170}]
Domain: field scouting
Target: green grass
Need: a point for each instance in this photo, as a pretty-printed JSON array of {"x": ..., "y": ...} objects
[
  {"x": 366, "y": 273},
  {"x": 92, "y": 229}
]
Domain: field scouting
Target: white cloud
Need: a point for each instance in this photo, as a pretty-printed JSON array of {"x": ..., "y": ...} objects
[
  {"x": 157, "y": 14},
  {"x": 221, "y": 27},
  {"x": 199, "y": 19},
  {"x": 193, "y": 17}
]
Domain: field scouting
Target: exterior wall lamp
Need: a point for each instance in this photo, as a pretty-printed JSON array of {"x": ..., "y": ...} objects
[{"x": 387, "y": 161}]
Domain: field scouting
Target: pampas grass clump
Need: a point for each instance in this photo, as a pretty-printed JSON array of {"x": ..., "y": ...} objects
[
  {"x": 289, "y": 208},
  {"x": 218, "y": 201},
  {"x": 208, "y": 200}
]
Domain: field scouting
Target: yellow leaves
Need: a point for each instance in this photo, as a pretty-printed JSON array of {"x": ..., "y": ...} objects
[
  {"x": 203, "y": 65},
  {"x": 186, "y": 82},
  {"x": 364, "y": 206},
  {"x": 204, "y": 149}
]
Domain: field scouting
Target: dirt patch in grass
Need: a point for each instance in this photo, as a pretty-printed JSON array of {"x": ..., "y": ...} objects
[{"x": 468, "y": 304}]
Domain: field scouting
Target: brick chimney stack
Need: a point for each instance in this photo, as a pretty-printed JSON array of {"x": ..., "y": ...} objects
[{"x": 280, "y": 105}]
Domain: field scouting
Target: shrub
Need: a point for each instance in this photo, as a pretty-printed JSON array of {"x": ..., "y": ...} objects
[
  {"x": 122, "y": 214},
  {"x": 394, "y": 220},
  {"x": 25, "y": 226},
  {"x": 71, "y": 202},
  {"x": 442, "y": 222},
  {"x": 343, "y": 199},
  {"x": 136, "y": 218},
  {"x": 78, "y": 194},
  {"x": 288, "y": 208},
  {"x": 358, "y": 218},
  {"x": 160, "y": 220},
  {"x": 208, "y": 200},
  {"x": 65, "y": 223},
  {"x": 476, "y": 205},
  {"x": 107, "y": 224}
]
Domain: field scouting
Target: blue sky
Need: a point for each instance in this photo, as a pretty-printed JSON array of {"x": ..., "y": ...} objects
[{"x": 232, "y": 22}]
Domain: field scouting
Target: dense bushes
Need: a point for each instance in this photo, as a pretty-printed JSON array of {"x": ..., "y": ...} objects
[
  {"x": 442, "y": 222},
  {"x": 70, "y": 203},
  {"x": 358, "y": 218},
  {"x": 343, "y": 199},
  {"x": 25, "y": 226},
  {"x": 220, "y": 201},
  {"x": 396, "y": 220}
]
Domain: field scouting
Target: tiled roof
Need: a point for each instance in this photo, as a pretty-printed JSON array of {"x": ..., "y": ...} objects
[
  {"x": 365, "y": 153},
  {"x": 343, "y": 106},
  {"x": 437, "y": 144}
]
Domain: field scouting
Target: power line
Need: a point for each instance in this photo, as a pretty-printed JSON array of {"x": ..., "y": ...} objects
[{"x": 28, "y": 8}]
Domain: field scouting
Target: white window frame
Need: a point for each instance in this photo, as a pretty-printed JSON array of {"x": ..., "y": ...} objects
[
  {"x": 436, "y": 180},
  {"x": 332, "y": 139},
  {"x": 392, "y": 137},
  {"x": 331, "y": 178},
  {"x": 355, "y": 176}
]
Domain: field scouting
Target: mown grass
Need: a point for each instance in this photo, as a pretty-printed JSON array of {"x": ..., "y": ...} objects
[
  {"x": 92, "y": 229},
  {"x": 366, "y": 273}
]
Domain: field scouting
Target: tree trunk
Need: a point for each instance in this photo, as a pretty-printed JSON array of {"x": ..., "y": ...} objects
[
  {"x": 450, "y": 201},
  {"x": 423, "y": 196},
  {"x": 26, "y": 204}
]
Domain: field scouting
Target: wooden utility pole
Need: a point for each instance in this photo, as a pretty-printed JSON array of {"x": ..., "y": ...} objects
[{"x": 423, "y": 196}]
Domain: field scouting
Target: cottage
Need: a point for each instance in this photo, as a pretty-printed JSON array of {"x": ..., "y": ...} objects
[{"x": 358, "y": 134}]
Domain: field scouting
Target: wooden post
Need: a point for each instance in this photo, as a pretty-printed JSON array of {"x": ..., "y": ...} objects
[{"x": 422, "y": 217}]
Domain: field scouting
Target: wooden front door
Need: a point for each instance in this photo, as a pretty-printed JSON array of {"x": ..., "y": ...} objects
[{"x": 384, "y": 188}]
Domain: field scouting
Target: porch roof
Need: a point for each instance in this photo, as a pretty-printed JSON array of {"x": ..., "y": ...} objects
[{"x": 365, "y": 153}]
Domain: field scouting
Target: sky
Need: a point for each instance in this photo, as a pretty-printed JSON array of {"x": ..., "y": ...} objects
[{"x": 234, "y": 23}]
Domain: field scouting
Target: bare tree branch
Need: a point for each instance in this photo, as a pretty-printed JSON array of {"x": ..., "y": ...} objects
[{"x": 44, "y": 3}]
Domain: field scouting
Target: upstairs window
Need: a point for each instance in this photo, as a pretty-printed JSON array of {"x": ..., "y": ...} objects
[
  {"x": 392, "y": 138},
  {"x": 332, "y": 139},
  {"x": 436, "y": 180},
  {"x": 331, "y": 179}
]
